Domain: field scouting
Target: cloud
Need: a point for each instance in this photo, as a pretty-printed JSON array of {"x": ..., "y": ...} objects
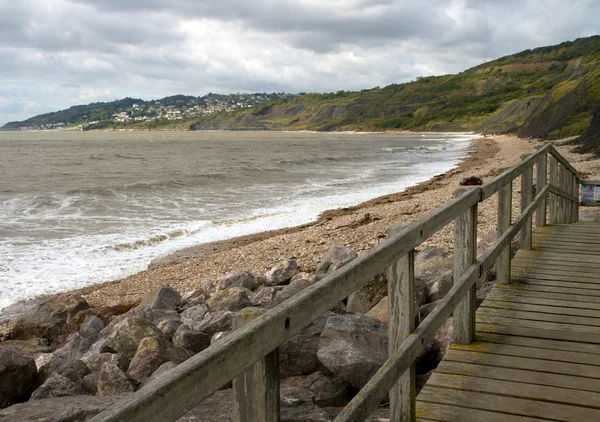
[{"x": 60, "y": 53}]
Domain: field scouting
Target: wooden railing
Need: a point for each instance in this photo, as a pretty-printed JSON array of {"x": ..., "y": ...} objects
[{"x": 248, "y": 356}]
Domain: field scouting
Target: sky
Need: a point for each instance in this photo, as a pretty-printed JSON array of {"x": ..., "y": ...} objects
[{"x": 59, "y": 53}]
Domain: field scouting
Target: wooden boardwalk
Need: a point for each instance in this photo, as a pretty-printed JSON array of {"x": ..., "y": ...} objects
[{"x": 537, "y": 355}]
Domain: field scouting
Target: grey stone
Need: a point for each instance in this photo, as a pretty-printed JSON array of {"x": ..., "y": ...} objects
[
  {"x": 57, "y": 386},
  {"x": 17, "y": 374},
  {"x": 193, "y": 298},
  {"x": 326, "y": 391},
  {"x": 440, "y": 287},
  {"x": 369, "y": 295},
  {"x": 336, "y": 257},
  {"x": 219, "y": 336},
  {"x": 162, "y": 297},
  {"x": 193, "y": 316},
  {"x": 125, "y": 336},
  {"x": 297, "y": 284},
  {"x": 191, "y": 340},
  {"x": 90, "y": 383},
  {"x": 112, "y": 381},
  {"x": 282, "y": 272},
  {"x": 244, "y": 279},
  {"x": 214, "y": 322},
  {"x": 94, "y": 362},
  {"x": 42, "y": 359},
  {"x": 264, "y": 297},
  {"x": 444, "y": 337},
  {"x": 63, "y": 409},
  {"x": 151, "y": 354},
  {"x": 353, "y": 347},
  {"x": 75, "y": 371},
  {"x": 169, "y": 325},
  {"x": 162, "y": 369},
  {"x": 233, "y": 299},
  {"x": 92, "y": 325}
]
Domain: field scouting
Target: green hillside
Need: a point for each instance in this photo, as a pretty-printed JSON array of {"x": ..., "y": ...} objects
[{"x": 546, "y": 92}]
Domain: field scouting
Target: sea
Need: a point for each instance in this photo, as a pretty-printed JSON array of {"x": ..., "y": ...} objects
[{"x": 80, "y": 208}]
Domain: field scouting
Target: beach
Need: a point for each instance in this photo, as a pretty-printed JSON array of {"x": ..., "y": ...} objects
[{"x": 360, "y": 227}]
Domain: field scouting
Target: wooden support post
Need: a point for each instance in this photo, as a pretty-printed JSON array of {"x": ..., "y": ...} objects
[
  {"x": 553, "y": 200},
  {"x": 561, "y": 201},
  {"x": 540, "y": 182},
  {"x": 576, "y": 203},
  {"x": 568, "y": 203},
  {"x": 465, "y": 249},
  {"x": 401, "y": 309},
  {"x": 256, "y": 390},
  {"x": 526, "y": 192},
  {"x": 504, "y": 222}
]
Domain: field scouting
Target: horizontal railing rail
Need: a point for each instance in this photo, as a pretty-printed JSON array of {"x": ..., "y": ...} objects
[{"x": 187, "y": 385}]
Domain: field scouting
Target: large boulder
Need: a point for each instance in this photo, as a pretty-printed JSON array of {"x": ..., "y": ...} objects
[
  {"x": 336, "y": 257},
  {"x": 17, "y": 374},
  {"x": 233, "y": 299},
  {"x": 380, "y": 311},
  {"x": 191, "y": 341},
  {"x": 57, "y": 386},
  {"x": 64, "y": 409},
  {"x": 193, "y": 298},
  {"x": 112, "y": 381},
  {"x": 445, "y": 338},
  {"x": 48, "y": 319},
  {"x": 151, "y": 354},
  {"x": 162, "y": 297},
  {"x": 91, "y": 326},
  {"x": 125, "y": 336},
  {"x": 282, "y": 272},
  {"x": 264, "y": 297},
  {"x": 298, "y": 355},
  {"x": 76, "y": 371},
  {"x": 298, "y": 283},
  {"x": 440, "y": 286},
  {"x": 369, "y": 295},
  {"x": 94, "y": 362},
  {"x": 193, "y": 316},
  {"x": 297, "y": 405},
  {"x": 327, "y": 391},
  {"x": 162, "y": 369},
  {"x": 244, "y": 279},
  {"x": 353, "y": 347}
]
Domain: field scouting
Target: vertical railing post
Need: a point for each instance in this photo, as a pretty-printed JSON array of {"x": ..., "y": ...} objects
[
  {"x": 561, "y": 201},
  {"x": 504, "y": 222},
  {"x": 540, "y": 182},
  {"x": 576, "y": 194},
  {"x": 553, "y": 199},
  {"x": 256, "y": 390},
  {"x": 526, "y": 192},
  {"x": 568, "y": 203},
  {"x": 401, "y": 311},
  {"x": 465, "y": 249}
]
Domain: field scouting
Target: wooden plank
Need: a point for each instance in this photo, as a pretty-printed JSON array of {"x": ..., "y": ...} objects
[
  {"x": 525, "y": 307},
  {"x": 442, "y": 412},
  {"x": 537, "y": 333},
  {"x": 534, "y": 363},
  {"x": 538, "y": 343},
  {"x": 532, "y": 391},
  {"x": 557, "y": 269},
  {"x": 562, "y": 290},
  {"x": 548, "y": 295},
  {"x": 552, "y": 281},
  {"x": 401, "y": 282},
  {"x": 563, "y": 161},
  {"x": 542, "y": 325},
  {"x": 539, "y": 316},
  {"x": 507, "y": 405},
  {"x": 573, "y": 258},
  {"x": 498, "y": 296},
  {"x": 519, "y": 375}
]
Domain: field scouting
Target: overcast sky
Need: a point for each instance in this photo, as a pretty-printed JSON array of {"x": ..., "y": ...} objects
[{"x": 58, "y": 53}]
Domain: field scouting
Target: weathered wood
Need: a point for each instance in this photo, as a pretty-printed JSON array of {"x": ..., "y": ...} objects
[
  {"x": 575, "y": 204},
  {"x": 516, "y": 298},
  {"x": 496, "y": 302},
  {"x": 465, "y": 249},
  {"x": 401, "y": 310},
  {"x": 553, "y": 200},
  {"x": 552, "y": 295},
  {"x": 504, "y": 221},
  {"x": 569, "y": 204},
  {"x": 534, "y": 315},
  {"x": 256, "y": 390},
  {"x": 541, "y": 325},
  {"x": 561, "y": 200},
  {"x": 526, "y": 192},
  {"x": 537, "y": 332},
  {"x": 541, "y": 177},
  {"x": 440, "y": 412},
  {"x": 553, "y": 151},
  {"x": 539, "y": 343}
]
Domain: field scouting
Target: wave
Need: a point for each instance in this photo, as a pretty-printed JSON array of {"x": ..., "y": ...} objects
[{"x": 151, "y": 241}]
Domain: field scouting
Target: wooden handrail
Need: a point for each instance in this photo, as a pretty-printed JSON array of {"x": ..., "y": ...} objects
[{"x": 181, "y": 389}]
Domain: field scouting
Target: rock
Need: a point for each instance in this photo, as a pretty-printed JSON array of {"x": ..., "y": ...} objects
[
  {"x": 219, "y": 336},
  {"x": 265, "y": 296},
  {"x": 364, "y": 299},
  {"x": 90, "y": 383},
  {"x": 162, "y": 297},
  {"x": 17, "y": 374},
  {"x": 74, "y": 324},
  {"x": 233, "y": 299},
  {"x": 75, "y": 371},
  {"x": 169, "y": 325},
  {"x": 282, "y": 272},
  {"x": 209, "y": 287},
  {"x": 48, "y": 319},
  {"x": 216, "y": 408},
  {"x": 444, "y": 337},
  {"x": 42, "y": 359},
  {"x": 380, "y": 311},
  {"x": 63, "y": 409},
  {"x": 426, "y": 309},
  {"x": 471, "y": 181},
  {"x": 440, "y": 287},
  {"x": 151, "y": 354},
  {"x": 111, "y": 381},
  {"x": 430, "y": 253},
  {"x": 297, "y": 405},
  {"x": 241, "y": 279},
  {"x": 421, "y": 294},
  {"x": 298, "y": 355},
  {"x": 95, "y": 362},
  {"x": 75, "y": 347},
  {"x": 31, "y": 346},
  {"x": 327, "y": 392},
  {"x": 336, "y": 257},
  {"x": 428, "y": 271},
  {"x": 125, "y": 336},
  {"x": 193, "y": 316},
  {"x": 193, "y": 298},
  {"x": 57, "y": 386},
  {"x": 106, "y": 313},
  {"x": 214, "y": 322},
  {"x": 296, "y": 285},
  {"x": 484, "y": 290},
  {"x": 91, "y": 326},
  {"x": 353, "y": 347},
  {"x": 162, "y": 369},
  {"x": 191, "y": 340}
]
